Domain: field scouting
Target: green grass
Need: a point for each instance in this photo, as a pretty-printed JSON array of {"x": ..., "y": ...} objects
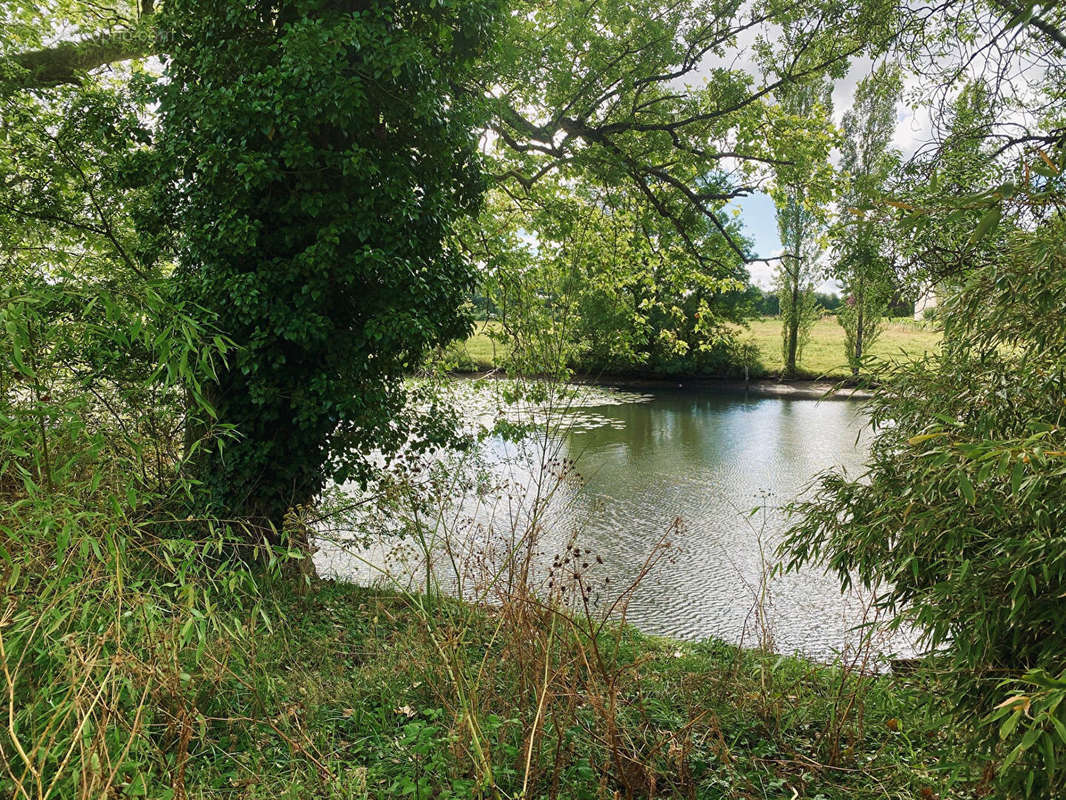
[
  {"x": 823, "y": 355},
  {"x": 244, "y": 688},
  {"x": 356, "y": 704},
  {"x": 481, "y": 351}
]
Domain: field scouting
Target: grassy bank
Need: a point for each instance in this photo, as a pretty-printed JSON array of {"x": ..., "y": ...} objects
[
  {"x": 822, "y": 357},
  {"x": 159, "y": 672},
  {"x": 349, "y": 697}
]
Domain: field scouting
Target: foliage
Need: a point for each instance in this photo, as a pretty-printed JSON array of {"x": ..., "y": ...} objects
[
  {"x": 93, "y": 344},
  {"x": 960, "y": 518},
  {"x": 861, "y": 317},
  {"x": 608, "y": 285},
  {"x": 617, "y": 94},
  {"x": 342, "y": 696},
  {"x": 604, "y": 99},
  {"x": 800, "y": 226},
  {"x": 57, "y": 43},
  {"x": 902, "y": 339},
  {"x": 830, "y": 301},
  {"x": 764, "y": 303},
  {"x": 768, "y": 303},
  {"x": 213, "y": 313},
  {"x": 318, "y": 159},
  {"x": 799, "y": 312},
  {"x": 802, "y": 183},
  {"x": 28, "y": 25},
  {"x": 108, "y": 608},
  {"x": 864, "y": 259},
  {"x": 113, "y": 641},
  {"x": 938, "y": 244}
]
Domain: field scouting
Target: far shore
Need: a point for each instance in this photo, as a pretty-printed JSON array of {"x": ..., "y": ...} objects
[
  {"x": 800, "y": 389},
  {"x": 757, "y": 387},
  {"x": 822, "y": 362}
]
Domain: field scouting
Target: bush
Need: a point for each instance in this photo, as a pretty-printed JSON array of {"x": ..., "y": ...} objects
[
  {"x": 961, "y": 518},
  {"x": 118, "y": 622}
]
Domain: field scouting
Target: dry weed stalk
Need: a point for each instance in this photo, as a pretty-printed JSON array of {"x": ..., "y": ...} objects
[{"x": 549, "y": 627}]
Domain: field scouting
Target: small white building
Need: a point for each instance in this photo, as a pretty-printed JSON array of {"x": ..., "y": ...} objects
[{"x": 927, "y": 300}]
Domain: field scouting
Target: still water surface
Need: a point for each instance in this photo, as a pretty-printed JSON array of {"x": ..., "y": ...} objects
[{"x": 693, "y": 464}]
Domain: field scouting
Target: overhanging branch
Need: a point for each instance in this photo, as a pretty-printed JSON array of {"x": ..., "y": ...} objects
[{"x": 64, "y": 63}]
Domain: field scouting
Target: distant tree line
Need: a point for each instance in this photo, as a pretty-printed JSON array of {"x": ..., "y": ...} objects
[{"x": 767, "y": 303}]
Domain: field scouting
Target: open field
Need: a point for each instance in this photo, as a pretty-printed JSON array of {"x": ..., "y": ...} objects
[
  {"x": 480, "y": 351},
  {"x": 822, "y": 357}
]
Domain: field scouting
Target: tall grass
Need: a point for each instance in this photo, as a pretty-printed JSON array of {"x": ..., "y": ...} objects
[{"x": 119, "y": 619}]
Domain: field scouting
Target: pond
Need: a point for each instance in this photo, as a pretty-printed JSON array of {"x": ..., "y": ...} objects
[{"x": 689, "y": 466}]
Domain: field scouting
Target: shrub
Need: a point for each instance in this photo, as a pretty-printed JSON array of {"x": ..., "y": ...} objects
[{"x": 961, "y": 519}]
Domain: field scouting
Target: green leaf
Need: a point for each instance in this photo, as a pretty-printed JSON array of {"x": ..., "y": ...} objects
[
  {"x": 989, "y": 220},
  {"x": 1060, "y": 728},
  {"x": 966, "y": 487},
  {"x": 1016, "y": 476},
  {"x": 1010, "y": 723}
]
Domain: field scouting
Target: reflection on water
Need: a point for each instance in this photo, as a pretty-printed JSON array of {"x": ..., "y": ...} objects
[
  {"x": 706, "y": 460},
  {"x": 710, "y": 460}
]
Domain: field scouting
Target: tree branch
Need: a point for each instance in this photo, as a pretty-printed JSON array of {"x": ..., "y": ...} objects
[
  {"x": 1041, "y": 24},
  {"x": 64, "y": 63}
]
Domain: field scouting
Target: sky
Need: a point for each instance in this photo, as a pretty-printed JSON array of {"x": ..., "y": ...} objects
[{"x": 760, "y": 225}]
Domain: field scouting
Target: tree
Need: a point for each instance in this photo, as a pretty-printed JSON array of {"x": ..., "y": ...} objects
[
  {"x": 802, "y": 174},
  {"x": 864, "y": 263},
  {"x": 958, "y": 521},
  {"x": 605, "y": 97},
  {"x": 797, "y": 227},
  {"x": 68, "y": 40},
  {"x": 609, "y": 285},
  {"x": 613, "y": 93},
  {"x": 318, "y": 159},
  {"x": 799, "y": 223},
  {"x": 939, "y": 246}
]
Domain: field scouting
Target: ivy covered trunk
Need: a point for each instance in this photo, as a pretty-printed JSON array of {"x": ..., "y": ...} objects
[{"x": 318, "y": 157}]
